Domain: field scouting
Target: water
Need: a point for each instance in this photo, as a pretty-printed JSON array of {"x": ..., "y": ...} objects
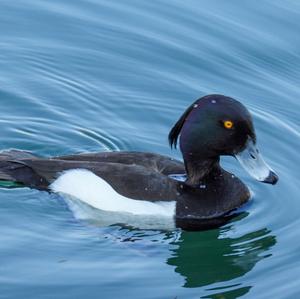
[{"x": 115, "y": 75}]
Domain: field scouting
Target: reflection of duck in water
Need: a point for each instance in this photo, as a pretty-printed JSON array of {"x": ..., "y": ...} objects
[{"x": 207, "y": 258}]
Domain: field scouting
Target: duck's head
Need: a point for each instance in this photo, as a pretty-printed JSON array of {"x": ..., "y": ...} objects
[{"x": 217, "y": 125}]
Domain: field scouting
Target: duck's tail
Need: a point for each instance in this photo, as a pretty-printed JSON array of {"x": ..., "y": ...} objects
[{"x": 13, "y": 173}]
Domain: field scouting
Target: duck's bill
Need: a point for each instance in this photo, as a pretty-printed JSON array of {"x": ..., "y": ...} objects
[{"x": 254, "y": 164}]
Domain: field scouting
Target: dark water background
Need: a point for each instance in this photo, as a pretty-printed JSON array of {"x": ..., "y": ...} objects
[{"x": 114, "y": 75}]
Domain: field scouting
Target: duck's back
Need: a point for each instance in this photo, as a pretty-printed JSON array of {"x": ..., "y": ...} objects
[{"x": 135, "y": 175}]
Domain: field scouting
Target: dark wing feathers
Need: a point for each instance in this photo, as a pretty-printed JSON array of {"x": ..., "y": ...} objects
[
  {"x": 135, "y": 175},
  {"x": 133, "y": 181}
]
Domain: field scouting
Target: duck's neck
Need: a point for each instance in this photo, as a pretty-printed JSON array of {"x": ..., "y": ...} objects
[{"x": 200, "y": 170}]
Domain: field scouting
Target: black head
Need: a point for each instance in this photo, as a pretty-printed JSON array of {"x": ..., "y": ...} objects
[{"x": 214, "y": 125}]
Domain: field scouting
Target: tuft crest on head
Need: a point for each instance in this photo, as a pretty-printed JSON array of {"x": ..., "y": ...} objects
[{"x": 175, "y": 131}]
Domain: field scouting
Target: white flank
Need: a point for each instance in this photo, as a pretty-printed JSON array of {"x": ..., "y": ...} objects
[{"x": 94, "y": 191}]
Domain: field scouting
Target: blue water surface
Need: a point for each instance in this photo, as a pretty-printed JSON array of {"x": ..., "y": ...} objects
[{"x": 87, "y": 75}]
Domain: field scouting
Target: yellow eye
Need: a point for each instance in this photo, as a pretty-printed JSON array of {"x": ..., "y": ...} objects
[{"x": 228, "y": 124}]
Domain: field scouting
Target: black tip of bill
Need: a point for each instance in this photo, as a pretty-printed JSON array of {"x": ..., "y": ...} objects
[
  {"x": 272, "y": 178},
  {"x": 252, "y": 161}
]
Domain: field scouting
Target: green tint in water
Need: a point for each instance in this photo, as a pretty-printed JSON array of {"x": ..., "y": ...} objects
[
  {"x": 8, "y": 184},
  {"x": 207, "y": 258}
]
